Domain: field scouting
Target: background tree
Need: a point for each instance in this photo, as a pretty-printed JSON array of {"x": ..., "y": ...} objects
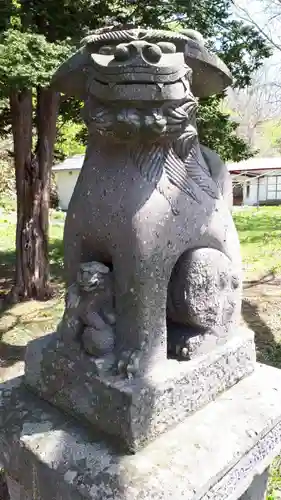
[
  {"x": 256, "y": 108},
  {"x": 33, "y": 42},
  {"x": 265, "y": 92},
  {"x": 35, "y": 36},
  {"x": 264, "y": 16},
  {"x": 27, "y": 61}
]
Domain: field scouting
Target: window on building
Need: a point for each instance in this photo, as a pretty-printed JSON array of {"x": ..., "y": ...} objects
[{"x": 273, "y": 191}]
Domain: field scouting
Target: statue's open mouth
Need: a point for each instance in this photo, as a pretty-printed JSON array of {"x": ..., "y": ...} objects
[
  {"x": 140, "y": 74},
  {"x": 160, "y": 85},
  {"x": 139, "y": 86}
]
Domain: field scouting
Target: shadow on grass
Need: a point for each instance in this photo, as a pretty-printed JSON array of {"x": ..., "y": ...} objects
[
  {"x": 10, "y": 354},
  {"x": 268, "y": 350},
  {"x": 8, "y": 259},
  {"x": 269, "y": 278}
]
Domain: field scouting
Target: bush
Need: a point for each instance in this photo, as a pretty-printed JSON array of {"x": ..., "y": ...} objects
[{"x": 7, "y": 175}]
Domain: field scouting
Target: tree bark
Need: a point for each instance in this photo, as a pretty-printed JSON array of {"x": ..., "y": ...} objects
[
  {"x": 21, "y": 112},
  {"x": 47, "y": 111},
  {"x": 32, "y": 183}
]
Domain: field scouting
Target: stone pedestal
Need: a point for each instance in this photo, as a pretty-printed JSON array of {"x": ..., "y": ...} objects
[
  {"x": 257, "y": 490},
  {"x": 220, "y": 452},
  {"x": 16, "y": 491},
  {"x": 133, "y": 412}
]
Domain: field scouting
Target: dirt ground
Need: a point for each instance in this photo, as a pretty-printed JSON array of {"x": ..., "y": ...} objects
[{"x": 261, "y": 311}]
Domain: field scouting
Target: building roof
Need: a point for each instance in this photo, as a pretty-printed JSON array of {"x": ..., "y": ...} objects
[
  {"x": 72, "y": 163},
  {"x": 255, "y": 164}
]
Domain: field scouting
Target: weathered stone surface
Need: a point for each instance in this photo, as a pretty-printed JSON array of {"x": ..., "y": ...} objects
[
  {"x": 98, "y": 342},
  {"x": 140, "y": 409},
  {"x": 210, "y": 75},
  {"x": 193, "y": 346},
  {"x": 16, "y": 492},
  {"x": 147, "y": 198},
  {"x": 205, "y": 292},
  {"x": 89, "y": 314},
  {"x": 219, "y": 173},
  {"x": 213, "y": 455}
]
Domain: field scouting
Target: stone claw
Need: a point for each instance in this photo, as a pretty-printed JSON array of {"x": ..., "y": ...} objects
[{"x": 129, "y": 363}]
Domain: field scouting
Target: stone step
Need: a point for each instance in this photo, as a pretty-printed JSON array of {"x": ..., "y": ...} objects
[{"x": 220, "y": 452}]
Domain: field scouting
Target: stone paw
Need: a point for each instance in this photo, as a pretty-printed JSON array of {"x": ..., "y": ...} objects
[{"x": 129, "y": 363}]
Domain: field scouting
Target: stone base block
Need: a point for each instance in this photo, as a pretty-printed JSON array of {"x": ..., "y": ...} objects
[
  {"x": 135, "y": 411},
  {"x": 215, "y": 454},
  {"x": 257, "y": 490},
  {"x": 16, "y": 492}
]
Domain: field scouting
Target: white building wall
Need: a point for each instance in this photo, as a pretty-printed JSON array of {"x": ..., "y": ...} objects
[
  {"x": 262, "y": 189},
  {"x": 250, "y": 192},
  {"x": 66, "y": 180}
]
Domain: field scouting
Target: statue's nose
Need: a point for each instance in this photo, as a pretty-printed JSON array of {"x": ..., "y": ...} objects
[{"x": 149, "y": 52}]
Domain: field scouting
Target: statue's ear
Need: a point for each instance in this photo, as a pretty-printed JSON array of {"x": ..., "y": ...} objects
[
  {"x": 210, "y": 74},
  {"x": 71, "y": 77}
]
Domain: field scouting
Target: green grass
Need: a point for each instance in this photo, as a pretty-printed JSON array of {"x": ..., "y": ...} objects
[
  {"x": 260, "y": 237},
  {"x": 274, "y": 486},
  {"x": 7, "y": 243},
  {"x": 24, "y": 322}
]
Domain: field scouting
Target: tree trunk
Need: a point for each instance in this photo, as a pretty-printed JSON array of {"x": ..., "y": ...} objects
[
  {"x": 21, "y": 111},
  {"x": 32, "y": 183},
  {"x": 47, "y": 110}
]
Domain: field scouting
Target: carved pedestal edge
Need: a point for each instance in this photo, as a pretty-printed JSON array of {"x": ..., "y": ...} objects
[{"x": 136, "y": 411}]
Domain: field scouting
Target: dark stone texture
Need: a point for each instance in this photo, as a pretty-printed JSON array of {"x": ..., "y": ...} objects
[
  {"x": 149, "y": 197},
  {"x": 204, "y": 291},
  {"x": 215, "y": 454},
  {"x": 209, "y": 73},
  {"x": 137, "y": 410}
]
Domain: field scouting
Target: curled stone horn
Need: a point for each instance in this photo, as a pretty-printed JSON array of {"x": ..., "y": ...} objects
[{"x": 209, "y": 74}]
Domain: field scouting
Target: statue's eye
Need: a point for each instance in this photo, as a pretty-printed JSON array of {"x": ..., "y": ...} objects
[
  {"x": 107, "y": 50},
  {"x": 167, "y": 47}
]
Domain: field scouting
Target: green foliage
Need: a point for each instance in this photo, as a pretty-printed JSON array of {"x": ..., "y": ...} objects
[
  {"x": 260, "y": 235},
  {"x": 27, "y": 60},
  {"x": 7, "y": 176},
  {"x": 69, "y": 142},
  {"x": 243, "y": 50},
  {"x": 217, "y": 131},
  {"x": 5, "y": 118},
  {"x": 58, "y": 21}
]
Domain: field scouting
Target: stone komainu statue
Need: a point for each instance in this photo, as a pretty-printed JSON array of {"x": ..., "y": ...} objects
[{"x": 151, "y": 252}]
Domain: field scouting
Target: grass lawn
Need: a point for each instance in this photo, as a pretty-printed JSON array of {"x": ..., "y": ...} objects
[{"x": 260, "y": 236}]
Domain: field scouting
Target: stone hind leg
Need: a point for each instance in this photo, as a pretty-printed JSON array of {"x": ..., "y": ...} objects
[{"x": 204, "y": 292}]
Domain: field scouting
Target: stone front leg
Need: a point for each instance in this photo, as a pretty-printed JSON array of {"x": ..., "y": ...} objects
[
  {"x": 257, "y": 490},
  {"x": 140, "y": 295}
]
